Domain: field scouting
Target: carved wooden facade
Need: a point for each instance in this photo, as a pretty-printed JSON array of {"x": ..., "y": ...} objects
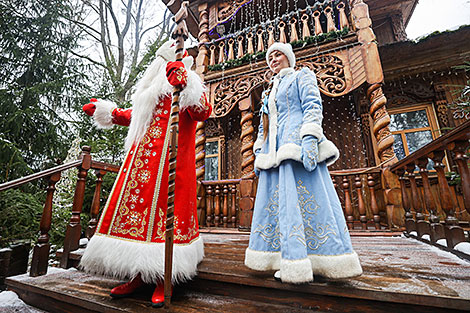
[{"x": 337, "y": 40}]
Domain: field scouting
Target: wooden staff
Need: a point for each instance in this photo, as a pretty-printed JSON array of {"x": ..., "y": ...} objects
[{"x": 180, "y": 35}]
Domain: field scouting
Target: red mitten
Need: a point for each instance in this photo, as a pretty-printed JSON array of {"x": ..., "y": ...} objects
[
  {"x": 90, "y": 108},
  {"x": 176, "y": 74}
]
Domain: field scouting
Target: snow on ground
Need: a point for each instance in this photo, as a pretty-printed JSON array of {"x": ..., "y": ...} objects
[{"x": 11, "y": 303}]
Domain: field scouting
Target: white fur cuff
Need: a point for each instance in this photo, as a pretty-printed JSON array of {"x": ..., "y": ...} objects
[
  {"x": 336, "y": 266},
  {"x": 192, "y": 93},
  {"x": 311, "y": 129},
  {"x": 258, "y": 144},
  {"x": 328, "y": 152},
  {"x": 296, "y": 271},
  {"x": 103, "y": 114},
  {"x": 262, "y": 260}
]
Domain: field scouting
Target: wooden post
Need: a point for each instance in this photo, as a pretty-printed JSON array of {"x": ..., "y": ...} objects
[
  {"x": 429, "y": 202},
  {"x": 209, "y": 219},
  {"x": 452, "y": 231},
  {"x": 415, "y": 198},
  {"x": 373, "y": 201},
  {"x": 40, "y": 259},
  {"x": 95, "y": 206},
  {"x": 461, "y": 159},
  {"x": 202, "y": 59},
  {"x": 72, "y": 235},
  {"x": 360, "y": 201},
  {"x": 180, "y": 35},
  {"x": 409, "y": 222},
  {"x": 347, "y": 203}
]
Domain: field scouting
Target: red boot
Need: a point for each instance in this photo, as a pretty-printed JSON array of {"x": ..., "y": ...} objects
[
  {"x": 158, "y": 297},
  {"x": 128, "y": 288}
]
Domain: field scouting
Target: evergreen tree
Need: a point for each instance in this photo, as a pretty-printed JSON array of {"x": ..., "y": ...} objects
[{"x": 39, "y": 81}]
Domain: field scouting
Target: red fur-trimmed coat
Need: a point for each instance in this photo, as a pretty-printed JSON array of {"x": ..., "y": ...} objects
[{"x": 131, "y": 232}]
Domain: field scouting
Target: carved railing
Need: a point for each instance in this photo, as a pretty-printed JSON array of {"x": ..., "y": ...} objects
[
  {"x": 432, "y": 205},
  {"x": 361, "y": 197},
  {"x": 311, "y": 24},
  {"x": 41, "y": 250},
  {"x": 221, "y": 208}
]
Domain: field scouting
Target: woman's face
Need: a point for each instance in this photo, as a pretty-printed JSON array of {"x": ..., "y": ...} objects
[{"x": 278, "y": 61}]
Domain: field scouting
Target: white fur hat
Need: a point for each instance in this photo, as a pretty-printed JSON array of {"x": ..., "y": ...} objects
[{"x": 285, "y": 48}]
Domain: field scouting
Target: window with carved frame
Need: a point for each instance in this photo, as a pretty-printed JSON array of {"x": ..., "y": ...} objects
[
  {"x": 412, "y": 128},
  {"x": 213, "y": 160}
]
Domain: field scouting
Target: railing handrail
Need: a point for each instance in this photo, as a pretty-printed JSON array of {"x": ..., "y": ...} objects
[
  {"x": 462, "y": 132},
  {"x": 355, "y": 171},
  {"x": 108, "y": 167},
  {"x": 26, "y": 179},
  {"x": 59, "y": 168},
  {"x": 220, "y": 182}
]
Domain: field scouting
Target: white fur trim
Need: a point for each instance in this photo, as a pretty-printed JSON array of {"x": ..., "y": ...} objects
[
  {"x": 258, "y": 143},
  {"x": 311, "y": 129},
  {"x": 167, "y": 51},
  {"x": 336, "y": 266},
  {"x": 103, "y": 114},
  {"x": 289, "y": 151},
  {"x": 120, "y": 258},
  {"x": 262, "y": 260},
  {"x": 285, "y": 48},
  {"x": 191, "y": 94},
  {"x": 296, "y": 271},
  {"x": 328, "y": 152}
]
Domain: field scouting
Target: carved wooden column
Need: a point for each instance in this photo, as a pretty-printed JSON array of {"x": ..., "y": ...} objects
[
  {"x": 247, "y": 186},
  {"x": 378, "y": 111},
  {"x": 202, "y": 59}
]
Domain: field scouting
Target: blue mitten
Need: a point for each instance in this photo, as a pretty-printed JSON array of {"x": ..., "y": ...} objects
[{"x": 309, "y": 152}]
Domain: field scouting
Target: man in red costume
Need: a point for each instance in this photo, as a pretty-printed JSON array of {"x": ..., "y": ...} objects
[{"x": 130, "y": 237}]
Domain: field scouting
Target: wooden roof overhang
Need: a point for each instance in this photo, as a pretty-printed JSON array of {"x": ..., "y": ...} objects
[
  {"x": 436, "y": 53},
  {"x": 381, "y": 9}
]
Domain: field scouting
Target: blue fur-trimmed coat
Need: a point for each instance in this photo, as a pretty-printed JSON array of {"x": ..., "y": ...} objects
[
  {"x": 298, "y": 113},
  {"x": 298, "y": 225}
]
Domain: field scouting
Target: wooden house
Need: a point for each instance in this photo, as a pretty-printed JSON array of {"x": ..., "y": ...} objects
[{"x": 389, "y": 105}]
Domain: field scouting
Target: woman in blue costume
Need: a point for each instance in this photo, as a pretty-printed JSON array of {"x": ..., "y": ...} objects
[{"x": 298, "y": 226}]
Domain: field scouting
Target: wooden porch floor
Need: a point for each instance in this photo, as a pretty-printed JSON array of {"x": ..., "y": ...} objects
[{"x": 400, "y": 275}]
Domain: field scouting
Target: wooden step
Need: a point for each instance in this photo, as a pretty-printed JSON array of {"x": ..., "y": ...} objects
[{"x": 400, "y": 275}]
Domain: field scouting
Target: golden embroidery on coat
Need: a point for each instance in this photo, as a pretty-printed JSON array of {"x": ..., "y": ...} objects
[{"x": 270, "y": 234}]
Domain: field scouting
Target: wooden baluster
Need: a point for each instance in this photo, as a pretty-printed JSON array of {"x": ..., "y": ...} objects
[
  {"x": 347, "y": 203},
  {"x": 233, "y": 208},
  {"x": 373, "y": 200},
  {"x": 217, "y": 206},
  {"x": 452, "y": 231},
  {"x": 95, "y": 206},
  {"x": 419, "y": 217},
  {"x": 250, "y": 49},
  {"x": 293, "y": 30},
  {"x": 461, "y": 159},
  {"x": 209, "y": 206},
  {"x": 282, "y": 33},
  {"x": 225, "y": 206},
  {"x": 73, "y": 232},
  {"x": 240, "y": 47},
  {"x": 271, "y": 39},
  {"x": 343, "y": 19},
  {"x": 409, "y": 221},
  {"x": 40, "y": 260},
  {"x": 231, "y": 54},
  {"x": 316, "y": 17},
  {"x": 305, "y": 28},
  {"x": 330, "y": 22},
  {"x": 259, "y": 33},
  {"x": 429, "y": 203},
  {"x": 212, "y": 59},
  {"x": 360, "y": 201},
  {"x": 221, "y": 52}
]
